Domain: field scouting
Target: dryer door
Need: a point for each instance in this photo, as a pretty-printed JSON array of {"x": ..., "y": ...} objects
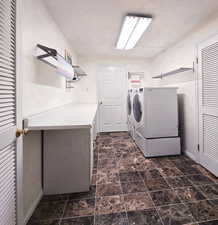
[
  {"x": 137, "y": 108},
  {"x": 129, "y": 105}
]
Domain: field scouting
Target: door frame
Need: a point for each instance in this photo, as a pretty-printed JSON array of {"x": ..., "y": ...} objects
[
  {"x": 99, "y": 128},
  {"x": 19, "y": 142}
]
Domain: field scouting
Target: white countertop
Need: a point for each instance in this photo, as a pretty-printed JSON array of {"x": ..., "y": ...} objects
[{"x": 70, "y": 116}]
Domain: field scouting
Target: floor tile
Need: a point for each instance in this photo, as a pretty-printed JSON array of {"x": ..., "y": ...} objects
[
  {"x": 144, "y": 166},
  {"x": 200, "y": 179},
  {"x": 210, "y": 191},
  {"x": 45, "y": 222},
  {"x": 175, "y": 214},
  {"x": 189, "y": 194},
  {"x": 138, "y": 201},
  {"x": 129, "y": 158},
  {"x": 109, "y": 153},
  {"x": 156, "y": 184},
  {"x": 204, "y": 210},
  {"x": 94, "y": 171},
  {"x": 106, "y": 162},
  {"x": 110, "y": 204},
  {"x": 192, "y": 224},
  {"x": 108, "y": 169},
  {"x": 49, "y": 210},
  {"x": 170, "y": 172},
  {"x": 80, "y": 207},
  {"x": 107, "y": 177},
  {"x": 84, "y": 195},
  {"x": 133, "y": 187},
  {"x": 164, "y": 197},
  {"x": 213, "y": 222},
  {"x": 150, "y": 174},
  {"x": 130, "y": 177},
  {"x": 89, "y": 220},
  {"x": 60, "y": 197},
  {"x": 108, "y": 190},
  {"x": 167, "y": 164},
  {"x": 183, "y": 162},
  {"x": 189, "y": 169},
  {"x": 162, "y": 162},
  {"x": 112, "y": 219},
  {"x": 127, "y": 168},
  {"x": 145, "y": 217},
  {"x": 175, "y": 182}
]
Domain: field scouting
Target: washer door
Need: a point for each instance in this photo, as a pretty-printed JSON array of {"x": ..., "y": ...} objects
[
  {"x": 137, "y": 108},
  {"x": 129, "y": 105}
]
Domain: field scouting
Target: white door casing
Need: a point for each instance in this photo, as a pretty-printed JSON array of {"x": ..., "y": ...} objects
[
  {"x": 208, "y": 103},
  {"x": 112, "y": 95},
  {"x": 10, "y": 114}
]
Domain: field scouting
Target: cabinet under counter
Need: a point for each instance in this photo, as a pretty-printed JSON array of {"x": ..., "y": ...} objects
[{"x": 68, "y": 139}]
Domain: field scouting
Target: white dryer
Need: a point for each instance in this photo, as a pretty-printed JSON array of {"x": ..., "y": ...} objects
[{"x": 155, "y": 112}]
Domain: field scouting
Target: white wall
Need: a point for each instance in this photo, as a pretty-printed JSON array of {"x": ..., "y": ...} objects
[
  {"x": 182, "y": 55},
  {"x": 42, "y": 88},
  {"x": 88, "y": 92}
]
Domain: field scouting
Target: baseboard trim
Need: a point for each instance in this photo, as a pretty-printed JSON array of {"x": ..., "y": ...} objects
[
  {"x": 33, "y": 207},
  {"x": 191, "y": 155}
]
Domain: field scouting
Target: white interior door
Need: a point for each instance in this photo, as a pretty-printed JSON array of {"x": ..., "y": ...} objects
[
  {"x": 112, "y": 94},
  {"x": 208, "y": 103},
  {"x": 10, "y": 153}
]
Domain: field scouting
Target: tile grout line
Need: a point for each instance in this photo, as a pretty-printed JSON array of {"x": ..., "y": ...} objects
[
  {"x": 96, "y": 186},
  {"x": 156, "y": 210},
  {"x": 65, "y": 206},
  {"x": 124, "y": 201}
]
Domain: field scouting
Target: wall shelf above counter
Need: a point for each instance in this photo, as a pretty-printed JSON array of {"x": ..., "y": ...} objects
[
  {"x": 179, "y": 70},
  {"x": 51, "y": 57}
]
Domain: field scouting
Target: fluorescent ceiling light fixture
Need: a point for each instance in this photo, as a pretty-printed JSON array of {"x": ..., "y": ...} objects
[{"x": 132, "y": 30}]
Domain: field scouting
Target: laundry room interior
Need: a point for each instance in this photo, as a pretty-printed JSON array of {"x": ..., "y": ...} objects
[{"x": 109, "y": 112}]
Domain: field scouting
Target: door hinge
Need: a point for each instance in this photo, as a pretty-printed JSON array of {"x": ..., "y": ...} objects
[
  {"x": 197, "y": 60},
  {"x": 198, "y": 147}
]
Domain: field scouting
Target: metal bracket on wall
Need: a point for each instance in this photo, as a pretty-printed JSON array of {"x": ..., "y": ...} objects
[
  {"x": 179, "y": 70},
  {"x": 50, "y": 57}
]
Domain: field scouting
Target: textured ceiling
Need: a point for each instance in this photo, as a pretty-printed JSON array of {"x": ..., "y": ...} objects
[{"x": 93, "y": 26}]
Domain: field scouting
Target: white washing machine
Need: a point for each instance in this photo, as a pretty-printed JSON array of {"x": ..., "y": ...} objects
[{"x": 155, "y": 112}]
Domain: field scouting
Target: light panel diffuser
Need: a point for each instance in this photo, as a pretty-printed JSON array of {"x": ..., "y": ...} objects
[{"x": 132, "y": 30}]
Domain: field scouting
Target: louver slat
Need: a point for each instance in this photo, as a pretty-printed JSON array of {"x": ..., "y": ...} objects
[
  {"x": 210, "y": 76},
  {"x": 8, "y": 185},
  {"x": 7, "y": 111}
]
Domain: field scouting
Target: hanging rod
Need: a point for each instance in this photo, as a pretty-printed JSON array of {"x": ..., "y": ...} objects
[
  {"x": 51, "y": 57},
  {"x": 180, "y": 70}
]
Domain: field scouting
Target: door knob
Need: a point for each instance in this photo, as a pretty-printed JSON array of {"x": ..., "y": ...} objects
[
  {"x": 100, "y": 103},
  {"x": 20, "y": 132}
]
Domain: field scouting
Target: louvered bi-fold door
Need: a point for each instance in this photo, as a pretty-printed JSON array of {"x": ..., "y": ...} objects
[
  {"x": 208, "y": 104},
  {"x": 8, "y": 112}
]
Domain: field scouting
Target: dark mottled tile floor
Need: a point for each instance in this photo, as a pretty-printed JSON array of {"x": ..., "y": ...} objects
[{"x": 129, "y": 189}]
